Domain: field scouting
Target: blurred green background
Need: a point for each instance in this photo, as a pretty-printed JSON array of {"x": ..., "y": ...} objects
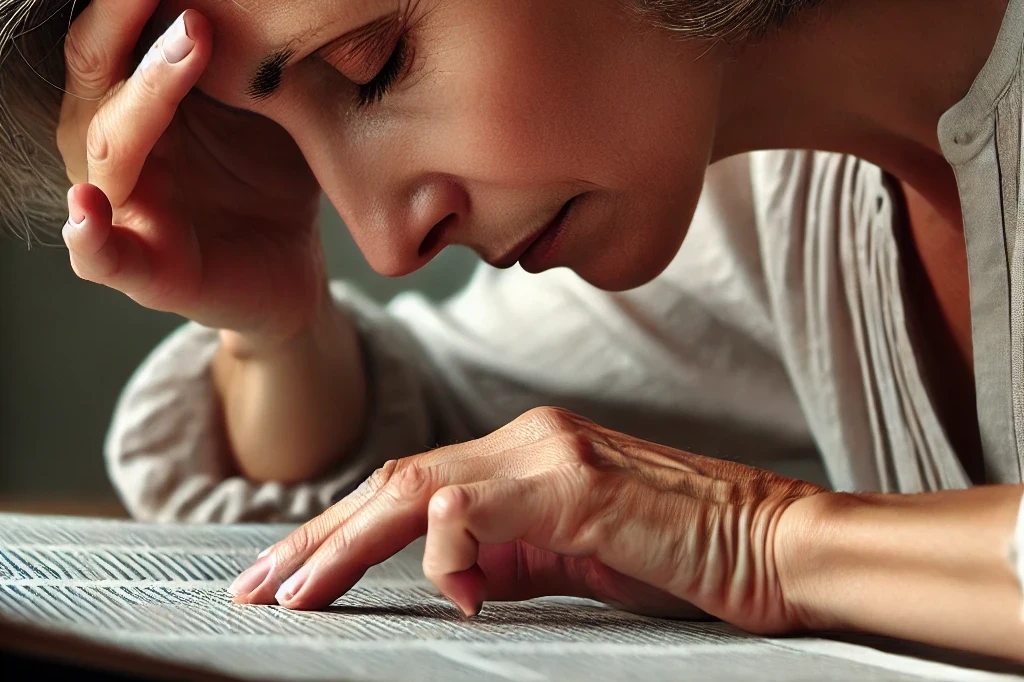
[{"x": 67, "y": 347}]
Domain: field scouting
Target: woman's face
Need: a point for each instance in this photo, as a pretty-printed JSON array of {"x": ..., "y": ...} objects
[{"x": 501, "y": 113}]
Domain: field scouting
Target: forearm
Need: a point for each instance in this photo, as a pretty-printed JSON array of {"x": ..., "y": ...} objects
[
  {"x": 292, "y": 410},
  {"x": 932, "y": 568}
]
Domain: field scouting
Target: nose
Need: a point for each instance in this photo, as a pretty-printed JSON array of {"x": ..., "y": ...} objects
[{"x": 401, "y": 239}]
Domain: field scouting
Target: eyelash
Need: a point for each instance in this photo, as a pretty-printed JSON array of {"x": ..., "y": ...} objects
[{"x": 389, "y": 74}]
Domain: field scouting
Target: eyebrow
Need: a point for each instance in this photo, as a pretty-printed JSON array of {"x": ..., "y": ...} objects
[{"x": 267, "y": 77}]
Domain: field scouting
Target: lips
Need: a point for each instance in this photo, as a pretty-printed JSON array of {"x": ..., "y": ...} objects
[
  {"x": 540, "y": 254},
  {"x": 544, "y": 237}
]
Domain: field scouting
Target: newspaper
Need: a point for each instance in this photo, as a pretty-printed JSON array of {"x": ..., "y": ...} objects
[{"x": 160, "y": 593}]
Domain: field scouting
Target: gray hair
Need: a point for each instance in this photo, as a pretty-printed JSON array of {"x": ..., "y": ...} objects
[
  {"x": 33, "y": 181},
  {"x": 730, "y": 21}
]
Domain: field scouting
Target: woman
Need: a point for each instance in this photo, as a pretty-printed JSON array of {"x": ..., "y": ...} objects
[{"x": 822, "y": 301}]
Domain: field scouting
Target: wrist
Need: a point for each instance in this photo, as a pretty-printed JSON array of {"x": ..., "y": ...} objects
[
  {"x": 292, "y": 406},
  {"x": 929, "y": 567},
  {"x": 806, "y": 552},
  {"x": 316, "y": 328}
]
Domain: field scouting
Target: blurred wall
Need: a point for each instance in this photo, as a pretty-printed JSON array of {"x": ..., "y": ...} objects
[{"x": 67, "y": 347}]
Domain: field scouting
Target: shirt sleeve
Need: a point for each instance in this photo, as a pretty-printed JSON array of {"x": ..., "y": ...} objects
[
  {"x": 168, "y": 458},
  {"x": 688, "y": 360}
]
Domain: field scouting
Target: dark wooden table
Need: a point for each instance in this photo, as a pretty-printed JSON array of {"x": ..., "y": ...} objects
[{"x": 102, "y": 507}]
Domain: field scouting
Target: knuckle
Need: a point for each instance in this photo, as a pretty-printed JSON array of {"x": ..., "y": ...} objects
[
  {"x": 411, "y": 480},
  {"x": 97, "y": 144},
  {"x": 449, "y": 504},
  {"x": 87, "y": 63},
  {"x": 299, "y": 542},
  {"x": 547, "y": 420},
  {"x": 382, "y": 476}
]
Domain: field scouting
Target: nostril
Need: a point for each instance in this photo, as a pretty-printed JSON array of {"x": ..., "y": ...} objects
[{"x": 433, "y": 237}]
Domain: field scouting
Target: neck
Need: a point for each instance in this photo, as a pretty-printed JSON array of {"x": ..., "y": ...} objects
[{"x": 864, "y": 77}]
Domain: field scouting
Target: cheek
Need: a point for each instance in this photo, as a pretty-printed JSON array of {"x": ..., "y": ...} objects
[{"x": 534, "y": 97}]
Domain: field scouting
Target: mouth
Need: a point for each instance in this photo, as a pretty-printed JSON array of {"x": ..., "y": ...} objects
[{"x": 538, "y": 245}]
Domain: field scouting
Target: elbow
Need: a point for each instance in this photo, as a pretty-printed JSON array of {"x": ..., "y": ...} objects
[
  {"x": 302, "y": 453},
  {"x": 286, "y": 466}
]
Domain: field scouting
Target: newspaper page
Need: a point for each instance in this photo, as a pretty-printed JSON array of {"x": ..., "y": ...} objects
[{"x": 160, "y": 592}]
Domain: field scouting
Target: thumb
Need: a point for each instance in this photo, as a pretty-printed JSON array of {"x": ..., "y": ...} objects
[{"x": 503, "y": 540}]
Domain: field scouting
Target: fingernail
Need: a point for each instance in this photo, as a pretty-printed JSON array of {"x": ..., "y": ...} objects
[
  {"x": 291, "y": 587},
  {"x": 177, "y": 44},
  {"x": 464, "y": 614},
  {"x": 251, "y": 578},
  {"x": 263, "y": 553},
  {"x": 468, "y": 614},
  {"x": 76, "y": 216}
]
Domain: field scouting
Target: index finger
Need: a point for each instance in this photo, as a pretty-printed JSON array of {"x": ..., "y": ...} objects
[
  {"x": 481, "y": 458},
  {"x": 391, "y": 520}
]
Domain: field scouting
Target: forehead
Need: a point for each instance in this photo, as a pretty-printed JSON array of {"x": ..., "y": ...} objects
[
  {"x": 247, "y": 31},
  {"x": 241, "y": 21}
]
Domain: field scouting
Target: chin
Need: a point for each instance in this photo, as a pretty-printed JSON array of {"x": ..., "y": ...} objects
[
  {"x": 628, "y": 266},
  {"x": 644, "y": 238}
]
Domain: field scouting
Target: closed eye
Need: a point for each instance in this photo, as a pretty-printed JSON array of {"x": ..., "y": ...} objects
[
  {"x": 389, "y": 74},
  {"x": 359, "y": 59}
]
